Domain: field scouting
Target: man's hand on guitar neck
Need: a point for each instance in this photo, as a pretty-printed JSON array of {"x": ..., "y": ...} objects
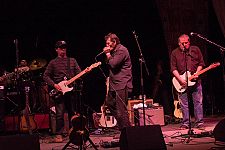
[{"x": 194, "y": 77}]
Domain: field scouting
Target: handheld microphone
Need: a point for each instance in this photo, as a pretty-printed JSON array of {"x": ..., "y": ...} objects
[
  {"x": 103, "y": 51},
  {"x": 184, "y": 48},
  {"x": 15, "y": 41}
]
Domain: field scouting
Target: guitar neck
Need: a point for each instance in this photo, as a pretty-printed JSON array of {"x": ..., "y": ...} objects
[
  {"x": 7, "y": 76},
  {"x": 83, "y": 72},
  {"x": 200, "y": 72},
  {"x": 77, "y": 76}
]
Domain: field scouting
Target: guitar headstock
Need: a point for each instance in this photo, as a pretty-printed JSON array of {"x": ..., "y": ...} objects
[
  {"x": 94, "y": 65},
  {"x": 214, "y": 65}
]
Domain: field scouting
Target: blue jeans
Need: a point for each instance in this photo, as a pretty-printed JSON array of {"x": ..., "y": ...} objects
[{"x": 196, "y": 95}]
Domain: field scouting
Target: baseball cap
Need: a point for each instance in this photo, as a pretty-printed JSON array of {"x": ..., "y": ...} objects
[{"x": 60, "y": 44}]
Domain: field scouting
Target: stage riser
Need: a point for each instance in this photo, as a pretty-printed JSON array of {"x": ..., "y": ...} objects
[{"x": 11, "y": 122}]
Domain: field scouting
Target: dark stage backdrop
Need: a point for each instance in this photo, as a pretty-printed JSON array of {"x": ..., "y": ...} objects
[{"x": 83, "y": 24}]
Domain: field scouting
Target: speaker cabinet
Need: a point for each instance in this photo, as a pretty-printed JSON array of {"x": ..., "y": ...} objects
[
  {"x": 142, "y": 138},
  {"x": 20, "y": 142},
  {"x": 219, "y": 131}
]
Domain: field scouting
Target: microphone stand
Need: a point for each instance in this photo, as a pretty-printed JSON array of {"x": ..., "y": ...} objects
[
  {"x": 222, "y": 50},
  {"x": 190, "y": 131},
  {"x": 17, "y": 76},
  {"x": 141, "y": 60}
]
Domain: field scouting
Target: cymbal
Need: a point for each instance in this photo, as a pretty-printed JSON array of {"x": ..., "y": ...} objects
[{"x": 37, "y": 64}]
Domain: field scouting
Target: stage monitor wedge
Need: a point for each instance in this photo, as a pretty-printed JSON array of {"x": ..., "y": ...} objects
[
  {"x": 142, "y": 138},
  {"x": 219, "y": 131}
]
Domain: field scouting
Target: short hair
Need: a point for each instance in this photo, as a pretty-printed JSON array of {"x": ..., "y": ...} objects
[
  {"x": 113, "y": 37},
  {"x": 183, "y": 35}
]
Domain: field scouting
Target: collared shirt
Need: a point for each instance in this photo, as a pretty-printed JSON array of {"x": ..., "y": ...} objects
[
  {"x": 193, "y": 56},
  {"x": 120, "y": 69}
]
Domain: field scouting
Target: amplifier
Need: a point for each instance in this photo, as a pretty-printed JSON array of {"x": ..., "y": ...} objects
[
  {"x": 153, "y": 116},
  {"x": 131, "y": 104}
]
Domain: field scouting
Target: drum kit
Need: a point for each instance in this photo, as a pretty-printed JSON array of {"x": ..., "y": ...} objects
[{"x": 31, "y": 77}]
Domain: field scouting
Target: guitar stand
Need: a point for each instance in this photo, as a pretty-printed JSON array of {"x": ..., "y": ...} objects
[
  {"x": 79, "y": 122},
  {"x": 84, "y": 137},
  {"x": 81, "y": 146}
]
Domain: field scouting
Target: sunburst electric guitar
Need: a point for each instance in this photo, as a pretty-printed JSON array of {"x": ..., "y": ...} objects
[
  {"x": 180, "y": 88},
  {"x": 106, "y": 119},
  {"x": 27, "y": 122},
  {"x": 177, "y": 109},
  {"x": 64, "y": 85}
]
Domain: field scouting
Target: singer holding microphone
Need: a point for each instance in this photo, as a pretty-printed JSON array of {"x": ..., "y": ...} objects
[
  {"x": 120, "y": 79},
  {"x": 188, "y": 58}
]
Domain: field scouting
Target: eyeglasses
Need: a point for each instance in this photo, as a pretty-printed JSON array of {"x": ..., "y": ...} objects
[
  {"x": 184, "y": 43},
  {"x": 62, "y": 47}
]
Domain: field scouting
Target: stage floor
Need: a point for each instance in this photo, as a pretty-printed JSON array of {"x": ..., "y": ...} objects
[{"x": 109, "y": 139}]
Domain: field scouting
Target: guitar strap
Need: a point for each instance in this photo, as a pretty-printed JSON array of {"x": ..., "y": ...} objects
[
  {"x": 69, "y": 74},
  {"x": 68, "y": 68}
]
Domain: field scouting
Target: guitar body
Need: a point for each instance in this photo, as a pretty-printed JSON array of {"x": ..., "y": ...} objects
[
  {"x": 181, "y": 89},
  {"x": 177, "y": 110},
  {"x": 63, "y": 85},
  {"x": 24, "y": 125},
  {"x": 107, "y": 120},
  {"x": 177, "y": 85}
]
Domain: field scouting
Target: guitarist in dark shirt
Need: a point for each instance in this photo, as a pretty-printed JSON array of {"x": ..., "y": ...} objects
[
  {"x": 59, "y": 69},
  {"x": 189, "y": 55}
]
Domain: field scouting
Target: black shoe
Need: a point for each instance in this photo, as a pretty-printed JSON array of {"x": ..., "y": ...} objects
[
  {"x": 183, "y": 127},
  {"x": 200, "y": 127}
]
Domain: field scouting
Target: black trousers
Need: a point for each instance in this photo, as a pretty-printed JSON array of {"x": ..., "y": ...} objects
[
  {"x": 69, "y": 103},
  {"x": 117, "y": 104}
]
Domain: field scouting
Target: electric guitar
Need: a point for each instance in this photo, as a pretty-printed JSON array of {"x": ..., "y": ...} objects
[
  {"x": 64, "y": 84},
  {"x": 180, "y": 88},
  {"x": 27, "y": 122},
  {"x": 106, "y": 119},
  {"x": 19, "y": 71}
]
